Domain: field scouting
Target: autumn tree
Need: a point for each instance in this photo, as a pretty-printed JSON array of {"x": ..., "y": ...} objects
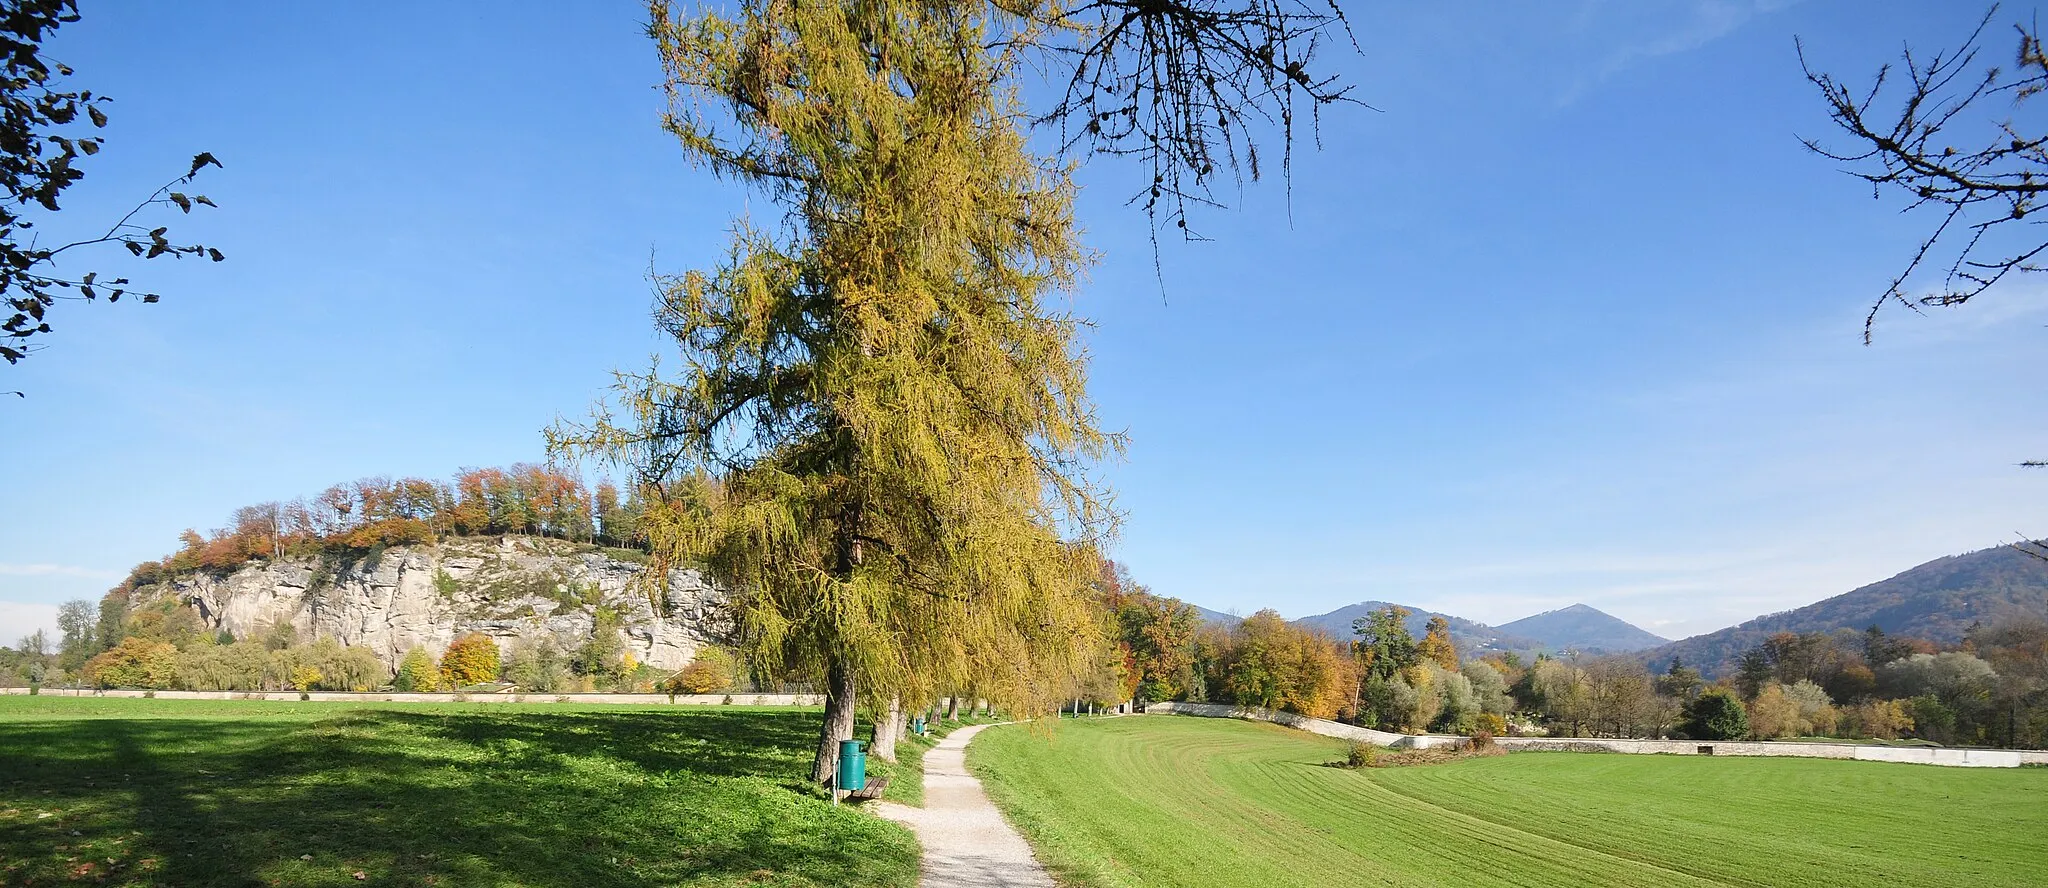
[
  {"x": 1436, "y": 646},
  {"x": 897, "y": 417},
  {"x": 1157, "y": 637},
  {"x": 471, "y": 659},
  {"x": 417, "y": 672},
  {"x": 134, "y": 663}
]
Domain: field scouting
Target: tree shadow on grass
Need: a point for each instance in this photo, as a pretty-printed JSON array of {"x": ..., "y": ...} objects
[{"x": 494, "y": 797}]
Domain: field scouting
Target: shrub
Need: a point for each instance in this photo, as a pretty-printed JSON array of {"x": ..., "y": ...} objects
[
  {"x": 417, "y": 673},
  {"x": 471, "y": 659},
  {"x": 223, "y": 667},
  {"x": 710, "y": 670},
  {"x": 304, "y": 677},
  {"x": 1363, "y": 755},
  {"x": 134, "y": 663},
  {"x": 1774, "y": 714},
  {"x": 1716, "y": 714},
  {"x": 601, "y": 655},
  {"x": 538, "y": 667},
  {"x": 342, "y": 667},
  {"x": 1491, "y": 724},
  {"x": 445, "y": 584},
  {"x": 1482, "y": 740}
]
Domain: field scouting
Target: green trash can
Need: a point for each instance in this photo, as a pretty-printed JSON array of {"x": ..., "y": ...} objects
[
  {"x": 853, "y": 766},
  {"x": 917, "y": 724}
]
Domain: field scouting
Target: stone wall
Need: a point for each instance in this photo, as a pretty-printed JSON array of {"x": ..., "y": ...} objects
[
  {"x": 1959, "y": 758},
  {"x": 1324, "y": 727}
]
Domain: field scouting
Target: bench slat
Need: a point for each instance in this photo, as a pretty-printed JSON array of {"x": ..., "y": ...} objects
[{"x": 873, "y": 790}]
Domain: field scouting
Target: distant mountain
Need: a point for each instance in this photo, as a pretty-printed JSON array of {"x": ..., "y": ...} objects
[
  {"x": 1471, "y": 638},
  {"x": 1217, "y": 617},
  {"x": 1937, "y": 601},
  {"x": 1584, "y": 629}
]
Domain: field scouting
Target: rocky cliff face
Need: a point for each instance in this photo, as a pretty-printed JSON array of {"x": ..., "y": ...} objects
[{"x": 514, "y": 589}]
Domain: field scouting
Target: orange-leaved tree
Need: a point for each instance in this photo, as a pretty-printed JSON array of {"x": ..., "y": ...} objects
[{"x": 471, "y": 659}]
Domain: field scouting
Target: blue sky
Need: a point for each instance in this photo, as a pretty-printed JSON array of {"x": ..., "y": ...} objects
[{"x": 1571, "y": 317}]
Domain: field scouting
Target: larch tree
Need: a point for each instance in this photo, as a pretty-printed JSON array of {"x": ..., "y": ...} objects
[
  {"x": 893, "y": 409},
  {"x": 1436, "y": 645}
]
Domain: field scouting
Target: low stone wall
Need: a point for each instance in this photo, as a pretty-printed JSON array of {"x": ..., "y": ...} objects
[
  {"x": 1321, "y": 726},
  {"x": 332, "y": 697},
  {"x": 1922, "y": 755}
]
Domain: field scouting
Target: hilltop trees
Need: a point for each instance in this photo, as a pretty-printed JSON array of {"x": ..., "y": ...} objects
[{"x": 371, "y": 513}]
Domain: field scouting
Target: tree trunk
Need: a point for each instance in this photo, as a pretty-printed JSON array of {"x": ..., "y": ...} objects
[
  {"x": 839, "y": 701},
  {"x": 889, "y": 729},
  {"x": 952, "y": 708}
]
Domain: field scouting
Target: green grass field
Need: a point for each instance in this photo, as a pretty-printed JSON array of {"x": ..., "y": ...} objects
[
  {"x": 1179, "y": 801},
  {"x": 163, "y": 792}
]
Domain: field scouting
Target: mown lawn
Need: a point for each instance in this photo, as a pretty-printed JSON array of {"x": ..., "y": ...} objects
[
  {"x": 249, "y": 793},
  {"x": 1180, "y": 801}
]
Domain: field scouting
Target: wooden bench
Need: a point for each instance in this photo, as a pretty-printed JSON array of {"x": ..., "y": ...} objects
[{"x": 873, "y": 790}]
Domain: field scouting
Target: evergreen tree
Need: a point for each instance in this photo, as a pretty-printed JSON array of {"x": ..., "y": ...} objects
[
  {"x": 1679, "y": 680},
  {"x": 1754, "y": 673},
  {"x": 1384, "y": 647},
  {"x": 1715, "y": 714}
]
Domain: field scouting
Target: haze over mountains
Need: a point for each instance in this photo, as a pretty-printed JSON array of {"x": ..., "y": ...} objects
[
  {"x": 1583, "y": 628},
  {"x": 1938, "y": 601},
  {"x": 1577, "y": 628}
]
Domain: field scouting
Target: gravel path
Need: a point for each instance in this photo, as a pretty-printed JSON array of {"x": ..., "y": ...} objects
[{"x": 967, "y": 844}]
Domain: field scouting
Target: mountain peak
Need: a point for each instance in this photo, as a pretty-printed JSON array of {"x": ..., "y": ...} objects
[{"x": 1585, "y": 628}]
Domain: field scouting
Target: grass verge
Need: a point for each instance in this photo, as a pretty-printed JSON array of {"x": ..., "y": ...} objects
[
  {"x": 249, "y": 793},
  {"x": 1166, "y": 801}
]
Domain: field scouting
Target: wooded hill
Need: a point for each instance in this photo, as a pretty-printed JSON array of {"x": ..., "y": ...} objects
[
  {"x": 1579, "y": 627},
  {"x": 1583, "y": 628},
  {"x": 1938, "y": 601},
  {"x": 1471, "y": 637}
]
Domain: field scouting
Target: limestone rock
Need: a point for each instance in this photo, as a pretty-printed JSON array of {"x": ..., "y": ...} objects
[{"x": 513, "y": 589}]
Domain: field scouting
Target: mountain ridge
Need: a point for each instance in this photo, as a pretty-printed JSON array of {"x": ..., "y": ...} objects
[{"x": 1937, "y": 600}]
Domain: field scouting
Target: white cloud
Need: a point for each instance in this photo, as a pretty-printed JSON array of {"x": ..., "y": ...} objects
[
  {"x": 12, "y": 569},
  {"x": 1662, "y": 29},
  {"x": 19, "y": 618}
]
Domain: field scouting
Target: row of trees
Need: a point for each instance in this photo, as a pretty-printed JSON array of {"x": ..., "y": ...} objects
[
  {"x": 1991, "y": 689},
  {"x": 373, "y": 512}
]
